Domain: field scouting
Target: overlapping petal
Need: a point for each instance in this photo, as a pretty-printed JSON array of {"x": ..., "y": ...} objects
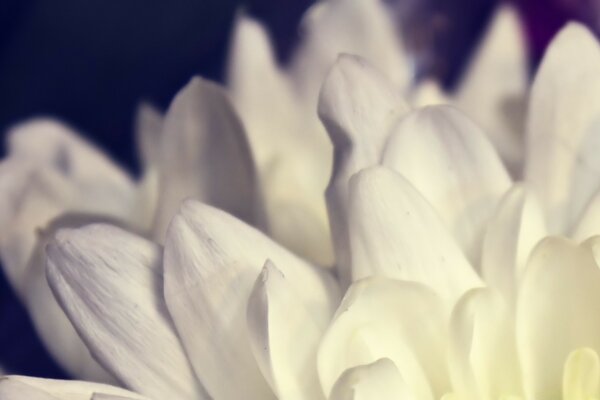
[
  {"x": 211, "y": 262},
  {"x": 110, "y": 284}
]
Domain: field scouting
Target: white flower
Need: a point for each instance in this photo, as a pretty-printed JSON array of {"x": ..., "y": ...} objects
[
  {"x": 52, "y": 178},
  {"x": 453, "y": 291}
]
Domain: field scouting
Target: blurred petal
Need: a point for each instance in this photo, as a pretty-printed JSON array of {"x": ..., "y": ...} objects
[
  {"x": 212, "y": 261},
  {"x": 589, "y": 223},
  {"x": 383, "y": 318},
  {"x": 559, "y": 293},
  {"x": 495, "y": 84},
  {"x": 394, "y": 232},
  {"x": 361, "y": 27},
  {"x": 358, "y": 106},
  {"x": 428, "y": 93},
  {"x": 109, "y": 283},
  {"x": 581, "y": 375},
  {"x": 563, "y": 127},
  {"x": 260, "y": 91},
  {"x": 483, "y": 357},
  {"x": 450, "y": 161},
  {"x": 205, "y": 155},
  {"x": 38, "y": 203},
  {"x": 26, "y": 388},
  {"x": 51, "y": 145},
  {"x": 284, "y": 336},
  {"x": 148, "y": 130},
  {"x": 379, "y": 380},
  {"x": 514, "y": 230}
]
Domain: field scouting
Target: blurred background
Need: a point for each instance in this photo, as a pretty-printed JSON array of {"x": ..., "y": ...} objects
[{"x": 91, "y": 62}]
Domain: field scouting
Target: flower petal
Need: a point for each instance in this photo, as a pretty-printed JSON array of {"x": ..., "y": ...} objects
[
  {"x": 149, "y": 126},
  {"x": 589, "y": 223},
  {"x": 383, "y": 318},
  {"x": 450, "y": 161},
  {"x": 379, "y": 380},
  {"x": 559, "y": 292},
  {"x": 109, "y": 283},
  {"x": 394, "y": 232},
  {"x": 358, "y": 106},
  {"x": 37, "y": 212},
  {"x": 284, "y": 336},
  {"x": 15, "y": 387},
  {"x": 52, "y": 145},
  {"x": 205, "y": 155},
  {"x": 359, "y": 27},
  {"x": 563, "y": 127},
  {"x": 277, "y": 120},
  {"x": 495, "y": 84},
  {"x": 514, "y": 230},
  {"x": 483, "y": 356},
  {"x": 581, "y": 376},
  {"x": 211, "y": 262}
]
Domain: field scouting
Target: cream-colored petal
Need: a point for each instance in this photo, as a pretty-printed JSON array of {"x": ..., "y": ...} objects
[
  {"x": 483, "y": 357},
  {"x": 148, "y": 130},
  {"x": 589, "y": 222},
  {"x": 284, "y": 336},
  {"x": 494, "y": 86},
  {"x": 277, "y": 121},
  {"x": 452, "y": 163},
  {"x": 361, "y": 27},
  {"x": 36, "y": 214},
  {"x": 358, "y": 106},
  {"x": 394, "y": 232},
  {"x": 260, "y": 91},
  {"x": 109, "y": 283},
  {"x": 559, "y": 293},
  {"x": 14, "y": 387},
  {"x": 205, "y": 155},
  {"x": 563, "y": 127},
  {"x": 581, "y": 375},
  {"x": 513, "y": 231},
  {"x": 383, "y": 318},
  {"x": 428, "y": 93},
  {"x": 379, "y": 380},
  {"x": 54, "y": 146},
  {"x": 211, "y": 263}
]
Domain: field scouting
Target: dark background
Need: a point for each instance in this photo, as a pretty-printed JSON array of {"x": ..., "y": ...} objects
[{"x": 90, "y": 62}]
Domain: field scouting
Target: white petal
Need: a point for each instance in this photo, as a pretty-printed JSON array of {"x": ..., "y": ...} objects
[
  {"x": 149, "y": 126},
  {"x": 54, "y": 146},
  {"x": 589, "y": 223},
  {"x": 27, "y": 388},
  {"x": 563, "y": 127},
  {"x": 379, "y": 380},
  {"x": 394, "y": 232},
  {"x": 278, "y": 120},
  {"x": 361, "y": 27},
  {"x": 581, "y": 375},
  {"x": 383, "y": 318},
  {"x": 451, "y": 162},
  {"x": 260, "y": 91},
  {"x": 205, "y": 155},
  {"x": 514, "y": 230},
  {"x": 428, "y": 93},
  {"x": 109, "y": 283},
  {"x": 358, "y": 106},
  {"x": 44, "y": 196},
  {"x": 284, "y": 336},
  {"x": 211, "y": 262},
  {"x": 483, "y": 356},
  {"x": 559, "y": 295},
  {"x": 495, "y": 84}
]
